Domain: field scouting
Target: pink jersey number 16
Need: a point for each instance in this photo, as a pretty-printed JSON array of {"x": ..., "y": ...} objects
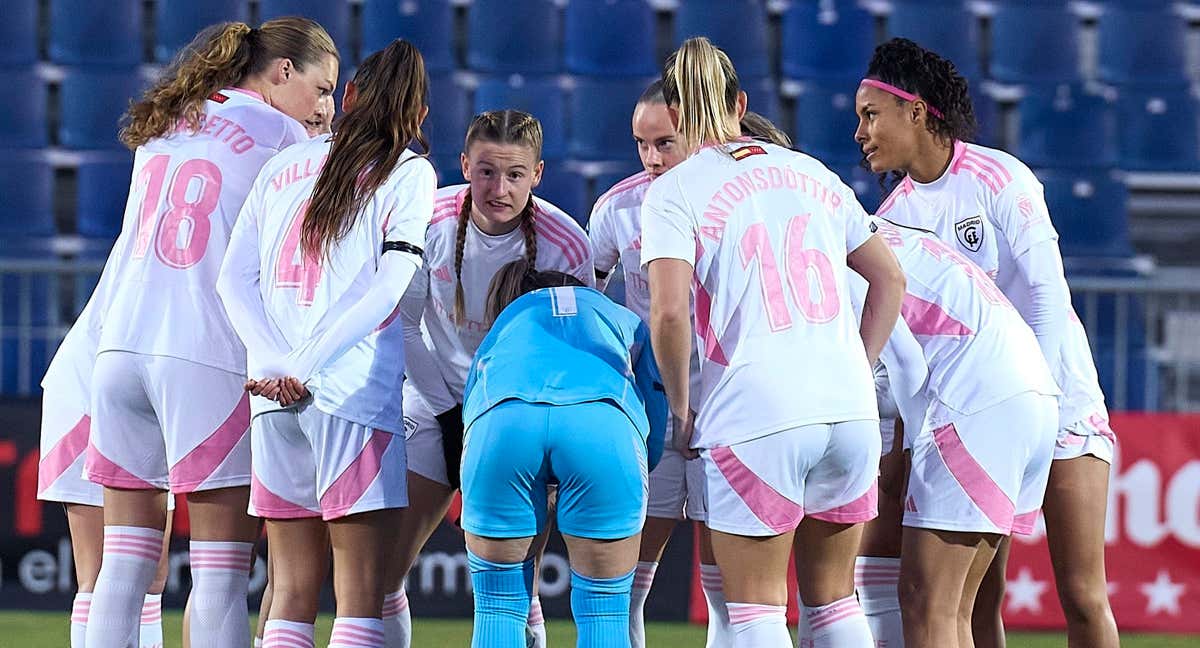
[
  {"x": 294, "y": 268},
  {"x": 181, "y": 236},
  {"x": 802, "y": 264}
]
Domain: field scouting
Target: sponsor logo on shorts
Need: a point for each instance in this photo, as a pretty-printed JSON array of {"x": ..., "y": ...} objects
[{"x": 970, "y": 232}]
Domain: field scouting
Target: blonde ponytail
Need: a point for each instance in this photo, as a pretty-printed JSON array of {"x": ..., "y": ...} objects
[{"x": 699, "y": 80}]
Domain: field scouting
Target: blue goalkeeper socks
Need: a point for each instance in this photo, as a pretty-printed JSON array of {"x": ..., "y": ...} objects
[
  {"x": 502, "y": 595},
  {"x": 601, "y": 609}
]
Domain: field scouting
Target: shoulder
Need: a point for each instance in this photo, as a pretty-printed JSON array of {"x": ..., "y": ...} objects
[
  {"x": 991, "y": 170},
  {"x": 269, "y": 127},
  {"x": 447, "y": 203},
  {"x": 560, "y": 230},
  {"x": 898, "y": 196},
  {"x": 414, "y": 168},
  {"x": 626, "y": 193}
]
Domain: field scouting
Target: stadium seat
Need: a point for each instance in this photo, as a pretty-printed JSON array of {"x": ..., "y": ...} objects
[
  {"x": 448, "y": 168},
  {"x": 1088, "y": 208},
  {"x": 27, "y": 184},
  {"x": 428, "y": 24},
  {"x": 23, "y": 121},
  {"x": 1066, "y": 126},
  {"x": 946, "y": 28},
  {"x": 567, "y": 189},
  {"x": 824, "y": 40},
  {"x": 542, "y": 98},
  {"x": 449, "y": 116},
  {"x": 1157, "y": 130},
  {"x": 1034, "y": 42},
  {"x": 334, "y": 16},
  {"x": 19, "y": 33},
  {"x": 825, "y": 122},
  {"x": 601, "y": 111},
  {"x": 1141, "y": 44},
  {"x": 83, "y": 32},
  {"x": 176, "y": 23},
  {"x": 102, "y": 188},
  {"x": 987, "y": 116},
  {"x": 92, "y": 102},
  {"x": 763, "y": 97},
  {"x": 610, "y": 38},
  {"x": 865, "y": 185},
  {"x": 29, "y": 304},
  {"x": 737, "y": 26},
  {"x": 513, "y": 36}
]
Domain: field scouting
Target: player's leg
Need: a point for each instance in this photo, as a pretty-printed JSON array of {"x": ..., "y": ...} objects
[
  {"x": 719, "y": 633},
  {"x": 933, "y": 578},
  {"x": 987, "y": 615},
  {"x": 86, "y": 525},
  {"x": 664, "y": 508},
  {"x": 877, "y": 568},
  {"x": 264, "y": 607},
  {"x": 150, "y": 631}
]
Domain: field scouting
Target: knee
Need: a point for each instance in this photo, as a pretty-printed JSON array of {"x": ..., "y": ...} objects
[
  {"x": 919, "y": 601},
  {"x": 1082, "y": 603}
]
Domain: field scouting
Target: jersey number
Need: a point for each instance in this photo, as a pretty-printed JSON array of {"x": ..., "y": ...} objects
[
  {"x": 181, "y": 236},
  {"x": 803, "y": 266},
  {"x": 294, "y": 268}
]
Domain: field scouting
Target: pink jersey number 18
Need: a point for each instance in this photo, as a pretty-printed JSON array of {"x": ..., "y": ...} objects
[
  {"x": 802, "y": 264},
  {"x": 295, "y": 269},
  {"x": 181, "y": 236}
]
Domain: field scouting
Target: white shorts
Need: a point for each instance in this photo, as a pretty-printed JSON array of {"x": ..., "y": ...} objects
[
  {"x": 311, "y": 464},
  {"x": 66, "y": 428},
  {"x": 985, "y": 472},
  {"x": 423, "y": 437},
  {"x": 676, "y": 487},
  {"x": 765, "y": 486},
  {"x": 168, "y": 424},
  {"x": 1089, "y": 436}
]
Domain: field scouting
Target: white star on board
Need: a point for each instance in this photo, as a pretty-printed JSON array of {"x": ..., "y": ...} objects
[
  {"x": 1025, "y": 592},
  {"x": 1163, "y": 594},
  {"x": 1113, "y": 587}
]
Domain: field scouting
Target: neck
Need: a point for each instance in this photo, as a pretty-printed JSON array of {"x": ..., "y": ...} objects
[
  {"x": 259, "y": 85},
  {"x": 931, "y": 161},
  {"x": 489, "y": 227}
]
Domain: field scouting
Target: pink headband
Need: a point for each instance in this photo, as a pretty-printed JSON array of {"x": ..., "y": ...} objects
[{"x": 907, "y": 96}]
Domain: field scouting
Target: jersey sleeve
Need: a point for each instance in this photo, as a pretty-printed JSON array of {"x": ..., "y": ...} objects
[
  {"x": 1021, "y": 216},
  {"x": 604, "y": 243},
  {"x": 907, "y": 374},
  {"x": 411, "y": 205},
  {"x": 420, "y": 364},
  {"x": 654, "y": 395},
  {"x": 293, "y": 132},
  {"x": 668, "y": 228},
  {"x": 858, "y": 226}
]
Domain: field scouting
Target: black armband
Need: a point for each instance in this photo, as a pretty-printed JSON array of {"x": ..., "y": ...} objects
[{"x": 402, "y": 246}]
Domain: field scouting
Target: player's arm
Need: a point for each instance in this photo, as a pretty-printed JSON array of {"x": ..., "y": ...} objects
[
  {"x": 654, "y": 396},
  {"x": 874, "y": 262},
  {"x": 604, "y": 247}
]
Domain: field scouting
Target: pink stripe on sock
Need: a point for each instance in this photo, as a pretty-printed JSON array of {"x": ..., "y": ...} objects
[
  {"x": 346, "y": 490},
  {"x": 830, "y": 620},
  {"x": 746, "y": 612},
  {"x": 63, "y": 454},
  {"x": 836, "y": 611},
  {"x": 197, "y": 465},
  {"x": 779, "y": 513},
  {"x": 395, "y": 603},
  {"x": 285, "y": 638},
  {"x": 535, "y": 612},
  {"x": 348, "y": 635},
  {"x": 862, "y": 509},
  {"x": 973, "y": 479}
]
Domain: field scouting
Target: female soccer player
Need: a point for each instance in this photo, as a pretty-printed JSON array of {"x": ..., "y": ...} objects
[
  {"x": 168, "y": 409},
  {"x": 961, "y": 362},
  {"x": 565, "y": 381},
  {"x": 781, "y": 457},
  {"x": 326, "y": 244},
  {"x": 476, "y": 229},
  {"x": 915, "y": 118}
]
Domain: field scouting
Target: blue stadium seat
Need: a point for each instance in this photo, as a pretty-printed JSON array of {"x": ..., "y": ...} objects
[
  {"x": 946, "y": 28},
  {"x": 102, "y": 188},
  {"x": 19, "y": 33},
  {"x": 737, "y": 26},
  {"x": 610, "y": 38},
  {"x": 428, "y": 24},
  {"x": 824, "y": 40},
  {"x": 601, "y": 111},
  {"x": 92, "y": 103},
  {"x": 1088, "y": 208},
  {"x": 513, "y": 36},
  {"x": 865, "y": 185},
  {"x": 29, "y": 303},
  {"x": 1066, "y": 126},
  {"x": 334, "y": 16},
  {"x": 987, "y": 116},
  {"x": 567, "y": 189},
  {"x": 83, "y": 32},
  {"x": 1157, "y": 129},
  {"x": 542, "y": 98},
  {"x": 23, "y": 120},
  {"x": 449, "y": 115},
  {"x": 825, "y": 122},
  {"x": 1140, "y": 44},
  {"x": 763, "y": 97},
  {"x": 448, "y": 168},
  {"x": 177, "y": 23},
  {"x": 27, "y": 184},
  {"x": 1035, "y": 42}
]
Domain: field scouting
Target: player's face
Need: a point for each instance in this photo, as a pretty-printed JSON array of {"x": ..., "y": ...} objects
[
  {"x": 654, "y": 133},
  {"x": 321, "y": 121},
  {"x": 502, "y": 178},
  {"x": 887, "y": 132},
  {"x": 299, "y": 94}
]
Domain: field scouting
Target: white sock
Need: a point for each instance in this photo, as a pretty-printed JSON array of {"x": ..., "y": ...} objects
[
  {"x": 220, "y": 581},
  {"x": 876, "y": 580},
  {"x": 535, "y": 626},
  {"x": 357, "y": 632},
  {"x": 258, "y": 642},
  {"x": 837, "y": 625},
  {"x": 397, "y": 620},
  {"x": 759, "y": 626},
  {"x": 720, "y": 635},
  {"x": 150, "y": 634},
  {"x": 127, "y": 568},
  {"x": 288, "y": 634},
  {"x": 643, "y": 578},
  {"x": 79, "y": 617}
]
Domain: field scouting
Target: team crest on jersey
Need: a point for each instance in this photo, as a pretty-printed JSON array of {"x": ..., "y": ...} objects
[
  {"x": 744, "y": 152},
  {"x": 970, "y": 232}
]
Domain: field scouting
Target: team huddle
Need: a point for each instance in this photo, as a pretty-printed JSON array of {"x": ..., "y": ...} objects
[{"x": 298, "y": 328}]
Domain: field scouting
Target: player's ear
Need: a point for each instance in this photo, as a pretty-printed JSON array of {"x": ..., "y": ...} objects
[
  {"x": 282, "y": 70},
  {"x": 537, "y": 172},
  {"x": 349, "y": 96}
]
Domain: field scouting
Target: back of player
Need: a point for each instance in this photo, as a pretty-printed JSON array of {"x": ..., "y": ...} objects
[
  {"x": 168, "y": 409},
  {"x": 767, "y": 235}
]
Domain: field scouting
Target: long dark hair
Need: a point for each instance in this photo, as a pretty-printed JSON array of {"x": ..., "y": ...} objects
[
  {"x": 366, "y": 145},
  {"x": 518, "y": 277}
]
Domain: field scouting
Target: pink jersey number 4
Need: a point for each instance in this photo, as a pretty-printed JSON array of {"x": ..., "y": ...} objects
[
  {"x": 294, "y": 268},
  {"x": 802, "y": 266},
  {"x": 180, "y": 236}
]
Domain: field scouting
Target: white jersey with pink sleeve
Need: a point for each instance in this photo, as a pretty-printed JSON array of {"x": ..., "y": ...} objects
[
  {"x": 991, "y": 209},
  {"x": 767, "y": 231},
  {"x": 561, "y": 245},
  {"x": 302, "y": 295},
  {"x": 615, "y": 229},
  {"x": 186, "y": 192}
]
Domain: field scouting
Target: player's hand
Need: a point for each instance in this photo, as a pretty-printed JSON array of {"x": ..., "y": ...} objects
[
  {"x": 291, "y": 391},
  {"x": 681, "y": 436}
]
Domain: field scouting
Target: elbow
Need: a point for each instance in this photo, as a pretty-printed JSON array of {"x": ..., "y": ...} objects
[{"x": 668, "y": 317}]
